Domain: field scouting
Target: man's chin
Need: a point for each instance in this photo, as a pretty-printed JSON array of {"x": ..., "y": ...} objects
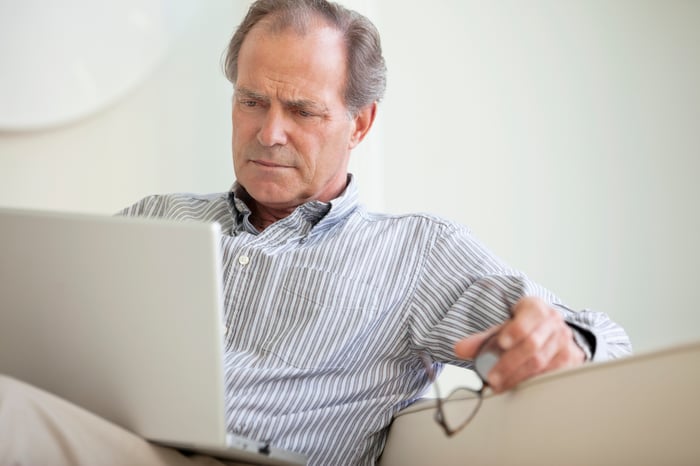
[{"x": 273, "y": 197}]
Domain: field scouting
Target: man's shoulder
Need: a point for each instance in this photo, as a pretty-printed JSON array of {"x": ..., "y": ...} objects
[
  {"x": 426, "y": 219},
  {"x": 178, "y": 205},
  {"x": 422, "y": 223}
]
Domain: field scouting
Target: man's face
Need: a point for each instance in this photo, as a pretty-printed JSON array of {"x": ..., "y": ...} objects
[{"x": 292, "y": 133}]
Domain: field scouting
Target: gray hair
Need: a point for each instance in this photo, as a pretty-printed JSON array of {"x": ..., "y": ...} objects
[{"x": 366, "y": 76}]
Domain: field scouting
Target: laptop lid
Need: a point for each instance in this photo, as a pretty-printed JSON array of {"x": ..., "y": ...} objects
[{"x": 122, "y": 316}]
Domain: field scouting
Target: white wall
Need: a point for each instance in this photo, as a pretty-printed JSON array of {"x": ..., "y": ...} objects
[
  {"x": 566, "y": 135},
  {"x": 563, "y": 133},
  {"x": 171, "y": 133}
]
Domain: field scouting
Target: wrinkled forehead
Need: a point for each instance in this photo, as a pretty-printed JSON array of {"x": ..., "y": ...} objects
[
  {"x": 306, "y": 40},
  {"x": 310, "y": 66}
]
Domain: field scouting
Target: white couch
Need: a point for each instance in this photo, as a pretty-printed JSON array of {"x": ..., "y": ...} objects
[{"x": 641, "y": 410}]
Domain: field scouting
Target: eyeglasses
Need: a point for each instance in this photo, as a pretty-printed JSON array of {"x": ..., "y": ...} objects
[{"x": 465, "y": 403}]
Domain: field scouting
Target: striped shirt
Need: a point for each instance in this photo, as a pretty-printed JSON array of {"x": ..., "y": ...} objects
[{"x": 328, "y": 310}]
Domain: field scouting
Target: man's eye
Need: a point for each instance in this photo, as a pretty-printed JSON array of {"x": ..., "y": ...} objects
[
  {"x": 249, "y": 103},
  {"x": 304, "y": 113}
]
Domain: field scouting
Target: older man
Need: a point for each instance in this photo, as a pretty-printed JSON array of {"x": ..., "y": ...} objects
[{"x": 331, "y": 309}]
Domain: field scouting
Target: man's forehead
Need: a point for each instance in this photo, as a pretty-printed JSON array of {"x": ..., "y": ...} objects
[
  {"x": 296, "y": 26},
  {"x": 292, "y": 32},
  {"x": 292, "y": 66}
]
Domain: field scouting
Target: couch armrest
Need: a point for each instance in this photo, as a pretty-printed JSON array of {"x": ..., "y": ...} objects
[{"x": 642, "y": 409}]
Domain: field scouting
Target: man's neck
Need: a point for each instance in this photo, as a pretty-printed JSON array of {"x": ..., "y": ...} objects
[{"x": 262, "y": 217}]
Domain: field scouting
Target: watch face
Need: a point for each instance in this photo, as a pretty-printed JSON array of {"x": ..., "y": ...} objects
[{"x": 487, "y": 357}]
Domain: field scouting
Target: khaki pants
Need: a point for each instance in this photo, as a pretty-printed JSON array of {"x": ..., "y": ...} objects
[{"x": 37, "y": 427}]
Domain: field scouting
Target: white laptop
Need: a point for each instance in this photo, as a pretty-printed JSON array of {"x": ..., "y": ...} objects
[{"x": 122, "y": 316}]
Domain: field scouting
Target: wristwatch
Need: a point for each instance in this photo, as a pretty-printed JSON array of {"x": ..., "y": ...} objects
[{"x": 582, "y": 340}]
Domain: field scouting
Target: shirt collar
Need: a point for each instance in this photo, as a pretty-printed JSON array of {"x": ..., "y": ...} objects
[{"x": 318, "y": 216}]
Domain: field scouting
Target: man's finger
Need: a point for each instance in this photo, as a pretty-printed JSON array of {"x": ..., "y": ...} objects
[
  {"x": 528, "y": 346},
  {"x": 558, "y": 352},
  {"x": 536, "y": 362},
  {"x": 528, "y": 314},
  {"x": 467, "y": 348}
]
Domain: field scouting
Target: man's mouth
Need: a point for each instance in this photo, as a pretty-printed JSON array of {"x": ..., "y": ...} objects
[{"x": 268, "y": 164}]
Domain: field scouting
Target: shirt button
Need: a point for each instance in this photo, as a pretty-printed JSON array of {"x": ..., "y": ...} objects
[{"x": 243, "y": 260}]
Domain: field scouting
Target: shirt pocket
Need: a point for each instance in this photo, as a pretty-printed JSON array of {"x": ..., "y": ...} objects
[{"x": 318, "y": 319}]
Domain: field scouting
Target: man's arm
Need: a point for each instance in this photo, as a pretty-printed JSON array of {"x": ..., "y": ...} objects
[{"x": 465, "y": 294}]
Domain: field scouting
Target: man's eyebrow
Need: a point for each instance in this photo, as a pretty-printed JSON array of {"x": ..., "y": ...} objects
[
  {"x": 244, "y": 92},
  {"x": 307, "y": 104},
  {"x": 297, "y": 103}
]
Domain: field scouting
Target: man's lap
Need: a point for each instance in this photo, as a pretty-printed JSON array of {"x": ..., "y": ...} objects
[{"x": 37, "y": 427}]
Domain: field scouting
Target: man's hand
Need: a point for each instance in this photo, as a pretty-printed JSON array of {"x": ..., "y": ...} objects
[{"x": 535, "y": 340}]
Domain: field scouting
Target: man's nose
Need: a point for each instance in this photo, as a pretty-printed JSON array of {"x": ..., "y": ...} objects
[{"x": 274, "y": 128}]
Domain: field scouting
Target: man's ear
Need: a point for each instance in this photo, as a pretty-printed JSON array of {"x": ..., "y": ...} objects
[{"x": 363, "y": 122}]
